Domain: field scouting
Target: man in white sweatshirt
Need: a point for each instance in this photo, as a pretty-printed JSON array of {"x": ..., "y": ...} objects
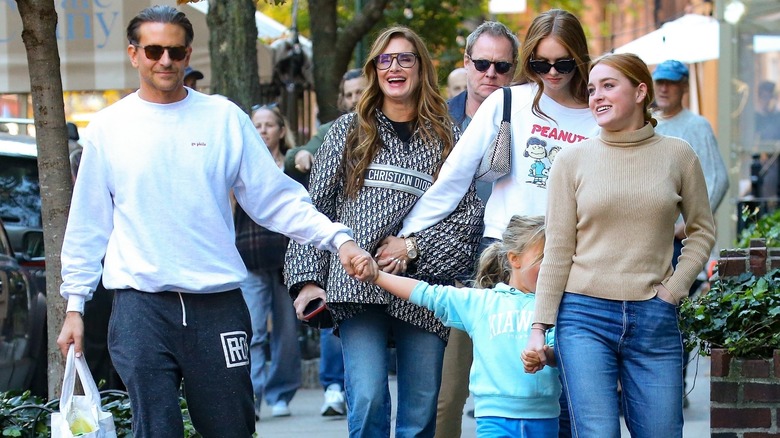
[{"x": 152, "y": 201}]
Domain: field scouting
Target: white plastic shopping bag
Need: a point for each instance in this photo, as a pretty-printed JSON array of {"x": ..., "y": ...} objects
[{"x": 80, "y": 415}]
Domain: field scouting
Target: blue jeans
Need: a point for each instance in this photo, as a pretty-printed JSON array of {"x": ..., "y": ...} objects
[
  {"x": 364, "y": 339},
  {"x": 600, "y": 342},
  {"x": 266, "y": 297},
  {"x": 331, "y": 359},
  {"x": 500, "y": 427}
]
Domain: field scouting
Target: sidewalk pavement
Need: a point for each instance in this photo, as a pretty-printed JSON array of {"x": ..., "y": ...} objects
[{"x": 306, "y": 419}]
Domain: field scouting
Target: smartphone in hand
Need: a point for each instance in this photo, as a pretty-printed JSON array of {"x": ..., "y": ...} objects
[{"x": 313, "y": 308}]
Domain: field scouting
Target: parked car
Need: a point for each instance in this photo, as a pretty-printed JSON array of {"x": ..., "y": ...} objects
[{"x": 23, "y": 356}]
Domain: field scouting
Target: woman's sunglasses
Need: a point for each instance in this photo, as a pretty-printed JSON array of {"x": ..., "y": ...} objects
[
  {"x": 405, "y": 60},
  {"x": 482, "y": 65},
  {"x": 563, "y": 66},
  {"x": 155, "y": 52}
]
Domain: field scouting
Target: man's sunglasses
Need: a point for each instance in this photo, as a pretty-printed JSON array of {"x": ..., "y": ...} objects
[
  {"x": 405, "y": 60},
  {"x": 155, "y": 52},
  {"x": 482, "y": 65},
  {"x": 563, "y": 66}
]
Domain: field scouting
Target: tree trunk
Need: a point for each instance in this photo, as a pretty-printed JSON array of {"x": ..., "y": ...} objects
[
  {"x": 233, "y": 49},
  {"x": 39, "y": 20},
  {"x": 333, "y": 48}
]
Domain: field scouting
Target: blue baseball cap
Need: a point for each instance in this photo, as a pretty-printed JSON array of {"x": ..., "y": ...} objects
[
  {"x": 670, "y": 70},
  {"x": 191, "y": 71}
]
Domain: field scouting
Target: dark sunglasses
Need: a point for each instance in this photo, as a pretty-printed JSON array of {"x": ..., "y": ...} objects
[
  {"x": 482, "y": 65},
  {"x": 155, "y": 52},
  {"x": 563, "y": 66},
  {"x": 405, "y": 60}
]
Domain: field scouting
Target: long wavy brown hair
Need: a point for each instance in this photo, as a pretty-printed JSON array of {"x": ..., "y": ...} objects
[
  {"x": 567, "y": 30},
  {"x": 432, "y": 121}
]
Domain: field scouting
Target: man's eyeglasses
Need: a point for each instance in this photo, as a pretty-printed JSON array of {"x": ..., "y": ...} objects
[
  {"x": 562, "y": 66},
  {"x": 155, "y": 52},
  {"x": 405, "y": 60},
  {"x": 482, "y": 65}
]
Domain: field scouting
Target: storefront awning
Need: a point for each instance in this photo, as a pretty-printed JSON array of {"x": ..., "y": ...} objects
[{"x": 690, "y": 38}]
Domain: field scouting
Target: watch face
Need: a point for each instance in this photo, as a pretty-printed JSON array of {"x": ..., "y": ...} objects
[{"x": 412, "y": 254}]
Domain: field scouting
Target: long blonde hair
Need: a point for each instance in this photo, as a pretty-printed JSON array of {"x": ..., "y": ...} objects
[
  {"x": 432, "y": 121},
  {"x": 567, "y": 30},
  {"x": 523, "y": 232}
]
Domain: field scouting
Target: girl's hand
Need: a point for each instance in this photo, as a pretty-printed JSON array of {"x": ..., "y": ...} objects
[
  {"x": 531, "y": 361},
  {"x": 365, "y": 267}
]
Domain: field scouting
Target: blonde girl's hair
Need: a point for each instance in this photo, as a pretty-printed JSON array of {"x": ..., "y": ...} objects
[
  {"x": 522, "y": 233},
  {"x": 288, "y": 140},
  {"x": 567, "y": 30},
  {"x": 636, "y": 71},
  {"x": 432, "y": 120}
]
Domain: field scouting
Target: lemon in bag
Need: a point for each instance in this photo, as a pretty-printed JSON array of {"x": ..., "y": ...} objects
[{"x": 80, "y": 425}]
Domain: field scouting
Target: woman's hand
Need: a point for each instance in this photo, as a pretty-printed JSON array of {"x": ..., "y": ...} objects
[
  {"x": 308, "y": 293},
  {"x": 663, "y": 293},
  {"x": 391, "y": 255}
]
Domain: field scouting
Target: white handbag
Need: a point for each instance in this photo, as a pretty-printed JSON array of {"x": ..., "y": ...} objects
[
  {"x": 497, "y": 160},
  {"x": 80, "y": 415}
]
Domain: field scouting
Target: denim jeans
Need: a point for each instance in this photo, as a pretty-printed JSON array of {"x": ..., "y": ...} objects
[
  {"x": 331, "y": 359},
  {"x": 600, "y": 342},
  {"x": 364, "y": 339},
  {"x": 500, "y": 427},
  {"x": 266, "y": 297}
]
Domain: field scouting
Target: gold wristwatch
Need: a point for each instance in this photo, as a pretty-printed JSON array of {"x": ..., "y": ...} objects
[{"x": 411, "y": 248}]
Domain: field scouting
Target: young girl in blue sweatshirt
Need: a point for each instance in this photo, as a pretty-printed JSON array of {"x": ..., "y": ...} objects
[{"x": 497, "y": 315}]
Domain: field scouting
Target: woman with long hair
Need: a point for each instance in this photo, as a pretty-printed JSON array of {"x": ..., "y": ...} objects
[
  {"x": 373, "y": 166},
  {"x": 549, "y": 112},
  {"x": 613, "y": 299}
]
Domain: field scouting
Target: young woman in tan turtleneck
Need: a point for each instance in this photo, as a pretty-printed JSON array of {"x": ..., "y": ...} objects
[{"x": 607, "y": 283}]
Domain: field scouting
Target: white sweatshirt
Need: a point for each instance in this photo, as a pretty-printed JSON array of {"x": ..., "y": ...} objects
[
  {"x": 152, "y": 197},
  {"x": 535, "y": 142}
]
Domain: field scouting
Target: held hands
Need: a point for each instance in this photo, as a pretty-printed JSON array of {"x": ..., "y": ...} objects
[
  {"x": 366, "y": 267},
  {"x": 534, "y": 356},
  {"x": 349, "y": 251},
  {"x": 391, "y": 255},
  {"x": 532, "y": 360}
]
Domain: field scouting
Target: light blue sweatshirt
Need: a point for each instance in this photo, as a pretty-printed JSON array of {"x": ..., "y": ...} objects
[{"x": 499, "y": 323}]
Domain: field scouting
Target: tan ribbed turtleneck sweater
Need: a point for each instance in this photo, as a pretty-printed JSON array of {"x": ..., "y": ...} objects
[{"x": 612, "y": 205}]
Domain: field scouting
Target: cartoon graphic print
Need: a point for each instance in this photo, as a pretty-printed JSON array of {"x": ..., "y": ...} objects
[
  {"x": 536, "y": 148},
  {"x": 552, "y": 153}
]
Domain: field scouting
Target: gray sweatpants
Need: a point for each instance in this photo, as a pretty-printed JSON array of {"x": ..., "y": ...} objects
[{"x": 156, "y": 340}]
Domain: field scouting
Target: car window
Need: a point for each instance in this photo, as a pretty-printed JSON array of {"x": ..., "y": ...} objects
[{"x": 20, "y": 200}]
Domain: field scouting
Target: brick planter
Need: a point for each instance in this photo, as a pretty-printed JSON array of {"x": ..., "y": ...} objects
[{"x": 744, "y": 396}]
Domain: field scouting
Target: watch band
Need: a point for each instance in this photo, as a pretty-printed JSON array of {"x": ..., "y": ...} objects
[{"x": 411, "y": 247}]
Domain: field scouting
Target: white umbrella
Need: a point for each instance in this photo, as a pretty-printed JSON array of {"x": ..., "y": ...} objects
[{"x": 690, "y": 38}]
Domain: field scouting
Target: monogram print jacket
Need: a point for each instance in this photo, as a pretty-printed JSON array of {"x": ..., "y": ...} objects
[{"x": 399, "y": 174}]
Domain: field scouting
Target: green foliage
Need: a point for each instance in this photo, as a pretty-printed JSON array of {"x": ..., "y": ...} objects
[
  {"x": 766, "y": 226},
  {"x": 22, "y": 414},
  {"x": 740, "y": 314}
]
